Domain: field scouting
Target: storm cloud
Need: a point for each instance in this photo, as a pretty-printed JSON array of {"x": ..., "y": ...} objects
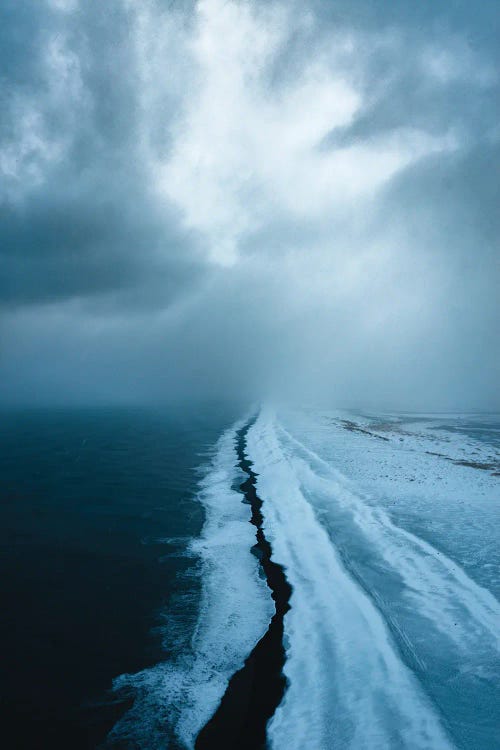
[{"x": 249, "y": 199}]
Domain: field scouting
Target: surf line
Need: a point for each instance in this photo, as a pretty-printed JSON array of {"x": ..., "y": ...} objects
[{"x": 256, "y": 690}]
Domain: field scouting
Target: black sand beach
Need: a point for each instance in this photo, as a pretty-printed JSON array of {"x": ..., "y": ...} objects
[{"x": 256, "y": 690}]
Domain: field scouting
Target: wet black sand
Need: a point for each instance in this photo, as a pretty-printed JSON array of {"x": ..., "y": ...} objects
[{"x": 255, "y": 691}]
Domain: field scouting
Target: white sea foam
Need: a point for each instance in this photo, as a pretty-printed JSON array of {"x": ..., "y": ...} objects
[
  {"x": 466, "y": 612},
  {"x": 180, "y": 696},
  {"x": 348, "y": 686},
  {"x": 417, "y": 531}
]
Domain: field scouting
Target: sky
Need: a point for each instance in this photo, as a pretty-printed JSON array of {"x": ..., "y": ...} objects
[{"x": 249, "y": 200}]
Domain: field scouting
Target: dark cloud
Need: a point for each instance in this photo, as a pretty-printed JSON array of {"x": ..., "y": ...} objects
[
  {"x": 91, "y": 240},
  {"x": 188, "y": 214},
  {"x": 88, "y": 225}
]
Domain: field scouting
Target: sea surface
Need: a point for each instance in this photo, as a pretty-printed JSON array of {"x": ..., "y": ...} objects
[
  {"x": 97, "y": 507},
  {"x": 133, "y": 590}
]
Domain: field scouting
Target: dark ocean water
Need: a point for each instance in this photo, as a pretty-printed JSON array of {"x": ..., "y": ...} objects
[{"x": 87, "y": 500}]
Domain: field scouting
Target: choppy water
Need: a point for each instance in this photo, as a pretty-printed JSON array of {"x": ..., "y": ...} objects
[{"x": 386, "y": 527}]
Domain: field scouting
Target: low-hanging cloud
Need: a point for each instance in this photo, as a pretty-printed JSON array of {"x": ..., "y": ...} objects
[{"x": 249, "y": 199}]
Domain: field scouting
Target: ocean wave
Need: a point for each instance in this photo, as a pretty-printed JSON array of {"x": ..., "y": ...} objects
[{"x": 175, "y": 698}]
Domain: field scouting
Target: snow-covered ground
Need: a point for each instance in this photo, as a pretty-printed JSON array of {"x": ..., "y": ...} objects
[{"x": 387, "y": 528}]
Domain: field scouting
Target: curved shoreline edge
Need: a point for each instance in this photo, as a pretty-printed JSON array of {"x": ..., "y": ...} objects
[{"x": 255, "y": 691}]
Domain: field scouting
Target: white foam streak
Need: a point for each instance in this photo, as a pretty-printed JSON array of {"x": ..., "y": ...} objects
[
  {"x": 465, "y": 612},
  {"x": 348, "y": 687}
]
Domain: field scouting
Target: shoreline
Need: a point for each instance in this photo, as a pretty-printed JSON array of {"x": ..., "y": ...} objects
[{"x": 255, "y": 691}]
